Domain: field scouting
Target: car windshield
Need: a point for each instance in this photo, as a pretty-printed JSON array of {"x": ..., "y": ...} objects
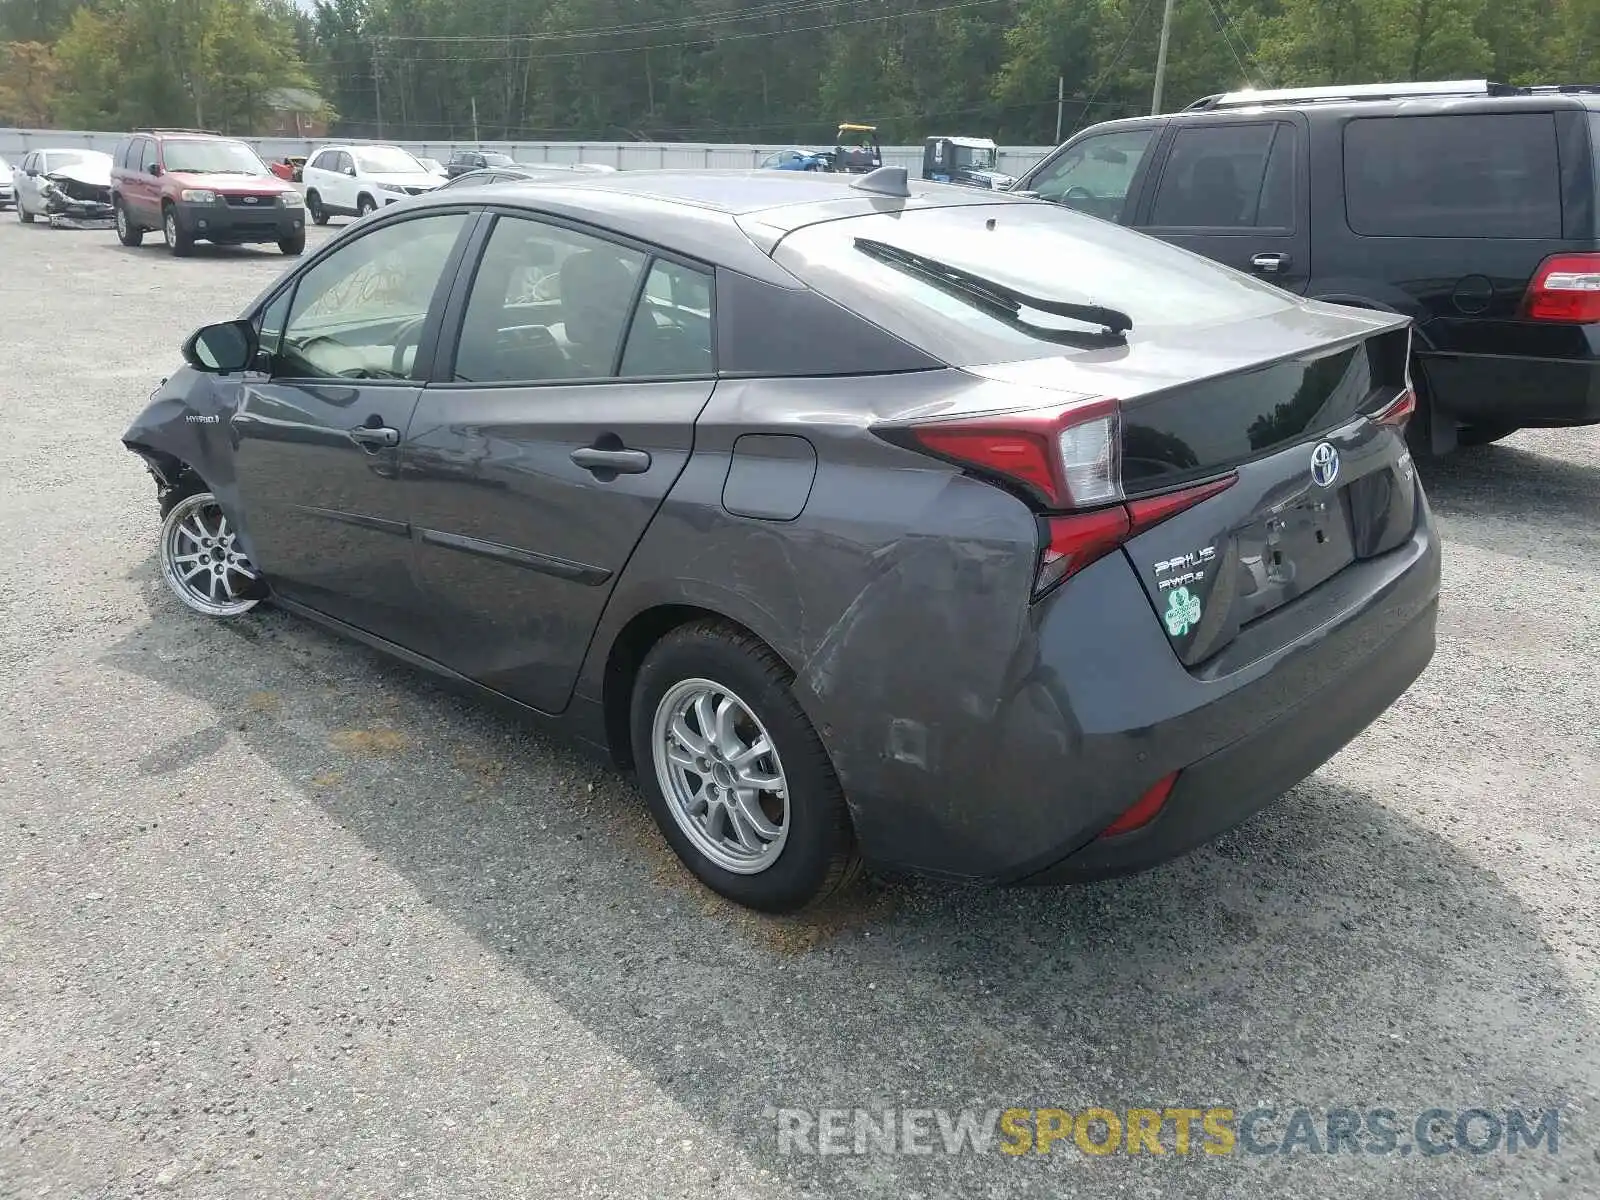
[
  {"x": 1037, "y": 250},
  {"x": 975, "y": 158},
  {"x": 387, "y": 160},
  {"x": 54, "y": 160},
  {"x": 211, "y": 157}
]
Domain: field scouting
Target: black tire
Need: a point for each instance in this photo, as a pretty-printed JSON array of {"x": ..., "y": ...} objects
[
  {"x": 365, "y": 206},
  {"x": 1482, "y": 435},
  {"x": 23, "y": 214},
  {"x": 314, "y": 206},
  {"x": 293, "y": 245},
  {"x": 174, "y": 234},
  {"x": 128, "y": 233},
  {"x": 819, "y": 855}
]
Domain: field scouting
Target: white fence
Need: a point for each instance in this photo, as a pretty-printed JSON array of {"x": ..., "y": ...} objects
[{"x": 625, "y": 156}]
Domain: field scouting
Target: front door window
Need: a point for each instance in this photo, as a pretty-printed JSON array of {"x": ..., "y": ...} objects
[{"x": 359, "y": 313}]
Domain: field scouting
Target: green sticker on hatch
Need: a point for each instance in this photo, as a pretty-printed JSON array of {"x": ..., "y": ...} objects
[{"x": 1183, "y": 611}]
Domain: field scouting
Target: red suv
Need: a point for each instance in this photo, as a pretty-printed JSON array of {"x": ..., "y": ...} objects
[{"x": 196, "y": 186}]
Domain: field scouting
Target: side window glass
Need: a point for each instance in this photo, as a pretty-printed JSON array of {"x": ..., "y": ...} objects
[
  {"x": 1094, "y": 176},
  {"x": 547, "y": 304},
  {"x": 346, "y": 163},
  {"x": 358, "y": 314},
  {"x": 119, "y": 156},
  {"x": 147, "y": 155},
  {"x": 1471, "y": 175},
  {"x": 671, "y": 330},
  {"x": 1213, "y": 178}
]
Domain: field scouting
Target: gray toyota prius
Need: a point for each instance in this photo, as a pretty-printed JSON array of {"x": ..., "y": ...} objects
[{"x": 865, "y": 519}]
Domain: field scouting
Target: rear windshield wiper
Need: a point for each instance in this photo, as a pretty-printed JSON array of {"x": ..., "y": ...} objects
[{"x": 996, "y": 298}]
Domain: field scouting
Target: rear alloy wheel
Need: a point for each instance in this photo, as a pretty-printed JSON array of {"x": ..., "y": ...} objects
[
  {"x": 202, "y": 561},
  {"x": 128, "y": 233},
  {"x": 178, "y": 241},
  {"x": 736, "y": 777}
]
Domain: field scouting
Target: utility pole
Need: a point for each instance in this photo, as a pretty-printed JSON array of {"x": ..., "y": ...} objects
[
  {"x": 1161, "y": 57},
  {"x": 1061, "y": 100},
  {"x": 475, "y": 140},
  {"x": 377, "y": 89}
]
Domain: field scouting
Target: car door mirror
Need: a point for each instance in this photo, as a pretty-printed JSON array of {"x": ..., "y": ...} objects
[
  {"x": 154, "y": 168},
  {"x": 350, "y": 171},
  {"x": 32, "y": 172},
  {"x": 218, "y": 349}
]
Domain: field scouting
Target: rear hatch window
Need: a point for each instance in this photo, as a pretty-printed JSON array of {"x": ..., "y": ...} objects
[{"x": 1035, "y": 248}]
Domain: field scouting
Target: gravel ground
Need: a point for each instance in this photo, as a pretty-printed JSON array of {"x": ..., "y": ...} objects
[{"x": 280, "y": 918}]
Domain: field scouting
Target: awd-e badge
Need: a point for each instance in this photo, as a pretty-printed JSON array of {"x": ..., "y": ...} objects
[{"x": 1185, "y": 569}]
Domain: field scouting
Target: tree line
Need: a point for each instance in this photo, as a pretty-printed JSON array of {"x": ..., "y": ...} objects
[{"x": 768, "y": 71}]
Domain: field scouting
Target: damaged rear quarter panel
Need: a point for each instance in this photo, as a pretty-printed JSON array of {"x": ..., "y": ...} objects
[{"x": 899, "y": 597}]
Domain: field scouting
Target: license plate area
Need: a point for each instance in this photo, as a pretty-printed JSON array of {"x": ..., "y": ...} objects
[{"x": 1291, "y": 550}]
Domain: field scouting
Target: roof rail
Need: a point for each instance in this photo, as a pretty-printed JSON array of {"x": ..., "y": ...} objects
[
  {"x": 1359, "y": 91},
  {"x": 174, "y": 129},
  {"x": 1562, "y": 89}
]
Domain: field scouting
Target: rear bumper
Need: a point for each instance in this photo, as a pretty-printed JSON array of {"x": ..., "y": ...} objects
[
  {"x": 1223, "y": 789},
  {"x": 1100, "y": 709},
  {"x": 1514, "y": 390},
  {"x": 227, "y": 224}
]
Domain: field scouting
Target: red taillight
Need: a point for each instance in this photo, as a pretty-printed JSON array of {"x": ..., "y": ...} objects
[
  {"x": 1074, "y": 541},
  {"x": 1399, "y": 410},
  {"x": 1566, "y": 290},
  {"x": 1063, "y": 457},
  {"x": 1144, "y": 810}
]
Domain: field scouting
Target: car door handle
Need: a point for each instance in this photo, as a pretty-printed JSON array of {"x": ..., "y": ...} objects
[
  {"x": 620, "y": 461},
  {"x": 1270, "y": 263},
  {"x": 376, "y": 437}
]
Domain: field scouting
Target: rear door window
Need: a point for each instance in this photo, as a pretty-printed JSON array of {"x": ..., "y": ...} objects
[
  {"x": 1095, "y": 175},
  {"x": 1481, "y": 175},
  {"x": 1216, "y": 178},
  {"x": 147, "y": 154}
]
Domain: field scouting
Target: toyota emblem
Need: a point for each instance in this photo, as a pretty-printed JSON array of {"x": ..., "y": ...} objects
[{"x": 1324, "y": 465}]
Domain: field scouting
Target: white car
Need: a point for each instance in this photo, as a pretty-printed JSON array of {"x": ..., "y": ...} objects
[
  {"x": 434, "y": 166},
  {"x": 357, "y": 180},
  {"x": 66, "y": 187},
  {"x": 8, "y": 194}
]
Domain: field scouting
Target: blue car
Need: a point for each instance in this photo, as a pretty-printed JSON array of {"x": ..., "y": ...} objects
[{"x": 794, "y": 160}]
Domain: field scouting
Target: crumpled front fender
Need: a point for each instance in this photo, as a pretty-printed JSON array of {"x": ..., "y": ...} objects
[{"x": 188, "y": 425}]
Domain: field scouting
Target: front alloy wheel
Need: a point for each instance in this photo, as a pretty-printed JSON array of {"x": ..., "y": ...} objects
[{"x": 202, "y": 562}]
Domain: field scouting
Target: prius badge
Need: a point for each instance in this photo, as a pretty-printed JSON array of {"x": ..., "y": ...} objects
[{"x": 1324, "y": 465}]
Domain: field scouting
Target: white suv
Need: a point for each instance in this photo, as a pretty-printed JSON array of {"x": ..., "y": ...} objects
[{"x": 357, "y": 180}]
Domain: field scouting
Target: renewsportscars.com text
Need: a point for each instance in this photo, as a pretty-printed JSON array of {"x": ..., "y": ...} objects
[{"x": 1098, "y": 1132}]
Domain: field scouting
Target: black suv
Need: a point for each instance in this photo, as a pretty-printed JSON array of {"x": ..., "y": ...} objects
[
  {"x": 1471, "y": 206},
  {"x": 463, "y": 161}
]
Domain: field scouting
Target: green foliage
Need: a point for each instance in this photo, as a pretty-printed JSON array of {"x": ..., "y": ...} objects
[{"x": 769, "y": 71}]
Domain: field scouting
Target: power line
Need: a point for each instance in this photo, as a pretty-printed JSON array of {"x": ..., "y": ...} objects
[{"x": 1222, "y": 28}]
